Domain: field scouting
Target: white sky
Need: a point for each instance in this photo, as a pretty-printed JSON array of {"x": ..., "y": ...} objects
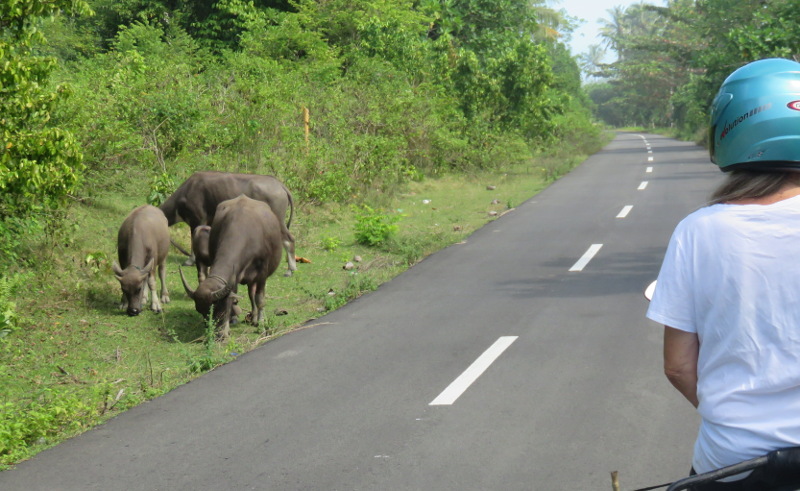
[{"x": 590, "y": 11}]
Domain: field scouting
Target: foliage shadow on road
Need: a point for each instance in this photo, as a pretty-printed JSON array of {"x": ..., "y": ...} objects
[{"x": 607, "y": 275}]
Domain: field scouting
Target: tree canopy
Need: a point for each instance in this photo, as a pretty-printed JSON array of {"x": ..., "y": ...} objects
[
  {"x": 673, "y": 58},
  {"x": 38, "y": 162}
]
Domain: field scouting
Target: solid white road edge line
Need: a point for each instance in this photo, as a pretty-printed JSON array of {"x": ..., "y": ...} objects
[
  {"x": 471, "y": 374},
  {"x": 587, "y": 256},
  {"x": 625, "y": 210}
]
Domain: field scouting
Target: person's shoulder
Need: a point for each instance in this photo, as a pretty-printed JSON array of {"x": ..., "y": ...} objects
[
  {"x": 705, "y": 221},
  {"x": 702, "y": 215}
]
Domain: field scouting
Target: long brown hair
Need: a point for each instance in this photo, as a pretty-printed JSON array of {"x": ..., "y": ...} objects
[{"x": 746, "y": 184}]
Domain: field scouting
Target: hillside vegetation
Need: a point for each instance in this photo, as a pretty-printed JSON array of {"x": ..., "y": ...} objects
[{"x": 399, "y": 126}]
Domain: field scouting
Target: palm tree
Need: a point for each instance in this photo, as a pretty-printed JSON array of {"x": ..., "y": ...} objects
[
  {"x": 591, "y": 62},
  {"x": 613, "y": 29},
  {"x": 550, "y": 23}
]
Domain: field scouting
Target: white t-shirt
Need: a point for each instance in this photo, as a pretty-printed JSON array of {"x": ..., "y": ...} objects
[{"x": 732, "y": 275}]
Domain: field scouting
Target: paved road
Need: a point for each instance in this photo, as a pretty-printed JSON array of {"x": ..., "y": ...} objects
[{"x": 553, "y": 376}]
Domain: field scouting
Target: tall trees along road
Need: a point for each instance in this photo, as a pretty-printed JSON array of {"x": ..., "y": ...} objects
[{"x": 518, "y": 360}]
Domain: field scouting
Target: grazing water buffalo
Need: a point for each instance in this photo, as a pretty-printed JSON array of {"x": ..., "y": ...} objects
[
  {"x": 245, "y": 248},
  {"x": 142, "y": 246},
  {"x": 195, "y": 201}
]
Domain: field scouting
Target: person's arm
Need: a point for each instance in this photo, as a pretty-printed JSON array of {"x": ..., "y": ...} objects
[{"x": 681, "y": 350}]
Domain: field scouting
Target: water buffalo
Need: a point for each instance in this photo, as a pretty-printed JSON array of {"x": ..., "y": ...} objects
[
  {"x": 202, "y": 257},
  {"x": 245, "y": 248},
  {"x": 142, "y": 246},
  {"x": 195, "y": 201}
]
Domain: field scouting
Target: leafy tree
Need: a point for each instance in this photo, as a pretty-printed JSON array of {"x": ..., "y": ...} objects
[
  {"x": 641, "y": 79},
  {"x": 140, "y": 104},
  {"x": 672, "y": 59},
  {"x": 221, "y": 23},
  {"x": 392, "y": 30},
  {"x": 773, "y": 33},
  {"x": 495, "y": 68},
  {"x": 39, "y": 163},
  {"x": 603, "y": 95}
]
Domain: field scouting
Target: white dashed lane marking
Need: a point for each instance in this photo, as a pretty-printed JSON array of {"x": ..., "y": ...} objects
[
  {"x": 624, "y": 212},
  {"x": 471, "y": 374},
  {"x": 587, "y": 256}
]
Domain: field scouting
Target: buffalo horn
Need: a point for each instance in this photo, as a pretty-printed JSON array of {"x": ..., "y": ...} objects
[
  {"x": 117, "y": 269},
  {"x": 186, "y": 286},
  {"x": 146, "y": 270}
]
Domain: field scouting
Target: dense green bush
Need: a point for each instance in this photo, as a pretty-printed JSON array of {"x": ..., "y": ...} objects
[
  {"x": 139, "y": 104},
  {"x": 39, "y": 163},
  {"x": 373, "y": 227}
]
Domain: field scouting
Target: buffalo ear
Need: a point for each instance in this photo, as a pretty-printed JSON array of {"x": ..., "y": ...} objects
[{"x": 117, "y": 270}]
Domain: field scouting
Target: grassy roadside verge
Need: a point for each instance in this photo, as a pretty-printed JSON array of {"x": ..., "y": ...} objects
[{"x": 75, "y": 360}]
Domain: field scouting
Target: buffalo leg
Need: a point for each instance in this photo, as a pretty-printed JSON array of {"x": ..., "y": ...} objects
[
  {"x": 256, "y": 292},
  {"x": 255, "y": 314},
  {"x": 155, "y": 305},
  {"x": 162, "y": 273},
  {"x": 260, "y": 291},
  {"x": 202, "y": 272},
  {"x": 145, "y": 290},
  {"x": 190, "y": 261},
  {"x": 288, "y": 244}
]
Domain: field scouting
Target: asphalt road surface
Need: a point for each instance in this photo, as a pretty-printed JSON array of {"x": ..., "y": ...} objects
[{"x": 518, "y": 360}]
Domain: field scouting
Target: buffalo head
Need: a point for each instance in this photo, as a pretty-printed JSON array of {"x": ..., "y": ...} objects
[
  {"x": 218, "y": 293},
  {"x": 133, "y": 281}
]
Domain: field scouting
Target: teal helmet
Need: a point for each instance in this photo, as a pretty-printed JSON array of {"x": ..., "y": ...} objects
[{"x": 755, "y": 118}]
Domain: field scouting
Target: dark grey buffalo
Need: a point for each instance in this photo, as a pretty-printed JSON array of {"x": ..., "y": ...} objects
[
  {"x": 142, "y": 246},
  {"x": 245, "y": 249},
  {"x": 195, "y": 201}
]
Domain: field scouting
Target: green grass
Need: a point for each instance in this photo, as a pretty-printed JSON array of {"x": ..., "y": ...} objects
[{"x": 75, "y": 359}]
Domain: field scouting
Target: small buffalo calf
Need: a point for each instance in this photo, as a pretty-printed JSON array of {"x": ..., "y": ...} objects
[{"x": 142, "y": 246}]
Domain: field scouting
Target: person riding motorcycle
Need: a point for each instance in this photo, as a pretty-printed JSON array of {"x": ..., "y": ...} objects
[{"x": 728, "y": 291}]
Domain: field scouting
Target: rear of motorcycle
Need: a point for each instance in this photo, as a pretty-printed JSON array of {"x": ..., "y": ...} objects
[{"x": 779, "y": 470}]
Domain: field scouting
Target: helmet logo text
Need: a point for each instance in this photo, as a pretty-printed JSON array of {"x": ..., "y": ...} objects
[{"x": 729, "y": 126}]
